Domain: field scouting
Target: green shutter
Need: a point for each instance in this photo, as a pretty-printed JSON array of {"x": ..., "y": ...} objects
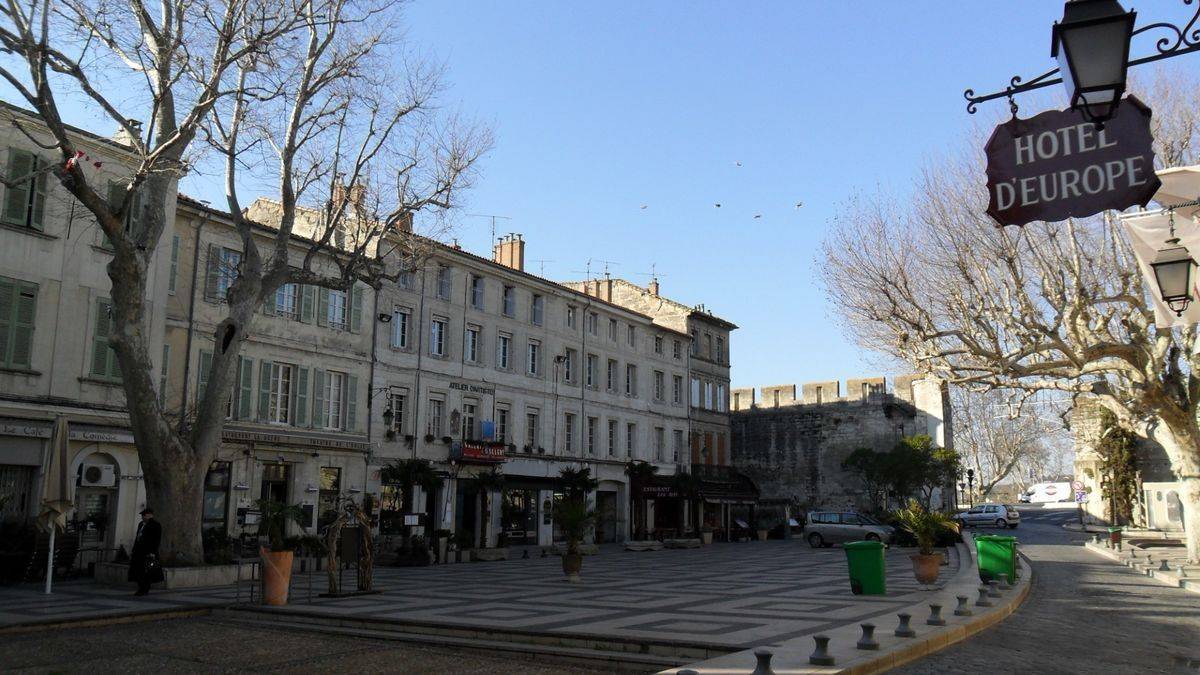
[
  {"x": 351, "y": 403},
  {"x": 174, "y": 264},
  {"x": 301, "y": 416},
  {"x": 162, "y": 375},
  {"x": 264, "y": 390},
  {"x": 134, "y": 217},
  {"x": 322, "y": 306},
  {"x": 318, "y": 416},
  {"x": 202, "y": 375},
  {"x": 16, "y": 197},
  {"x": 356, "y": 307},
  {"x": 8, "y": 309},
  {"x": 100, "y": 347},
  {"x": 268, "y": 307},
  {"x": 245, "y": 387},
  {"x": 18, "y": 303},
  {"x": 37, "y": 217},
  {"x": 307, "y": 298},
  {"x": 212, "y": 272}
]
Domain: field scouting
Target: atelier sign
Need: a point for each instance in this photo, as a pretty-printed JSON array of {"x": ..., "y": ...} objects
[
  {"x": 473, "y": 388},
  {"x": 1056, "y": 165}
]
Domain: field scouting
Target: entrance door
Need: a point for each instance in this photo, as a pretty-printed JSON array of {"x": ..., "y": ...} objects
[
  {"x": 95, "y": 515},
  {"x": 606, "y": 517},
  {"x": 519, "y": 516},
  {"x": 275, "y": 483}
]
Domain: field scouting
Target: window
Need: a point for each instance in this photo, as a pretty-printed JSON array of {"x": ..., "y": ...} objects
[
  {"x": 467, "y": 431},
  {"x": 400, "y": 320},
  {"x": 335, "y": 384},
  {"x": 631, "y": 335},
  {"x": 708, "y": 396},
  {"x": 18, "y": 303},
  {"x": 336, "y": 316},
  {"x": 503, "y": 351},
  {"x": 820, "y": 395},
  {"x": 660, "y": 439},
  {"x": 569, "y": 432},
  {"x": 612, "y": 438},
  {"x": 569, "y": 365},
  {"x": 536, "y": 308},
  {"x": 533, "y": 358},
  {"x": 174, "y": 264},
  {"x": 695, "y": 392},
  {"x": 659, "y": 385},
  {"x": 216, "y": 496},
  {"x": 720, "y": 398},
  {"x": 695, "y": 344},
  {"x": 25, "y": 200},
  {"x": 612, "y": 330},
  {"x": 658, "y": 344},
  {"x": 677, "y": 389},
  {"x": 327, "y": 496},
  {"x": 677, "y": 445},
  {"x": 720, "y": 349},
  {"x": 433, "y": 418},
  {"x": 630, "y": 440},
  {"x": 570, "y": 316},
  {"x": 471, "y": 349},
  {"x": 279, "y": 394},
  {"x": 286, "y": 301},
  {"x": 532, "y": 429},
  {"x": 510, "y": 301},
  {"x": 501, "y": 423},
  {"x": 224, "y": 270},
  {"x": 437, "y": 337},
  {"x": 708, "y": 345},
  {"x": 104, "y": 357},
  {"x": 407, "y": 280},
  {"x": 477, "y": 292},
  {"x": 591, "y": 435},
  {"x": 592, "y": 320},
  {"x": 676, "y": 348},
  {"x": 612, "y": 375},
  {"x": 593, "y": 363},
  {"x": 630, "y": 379},
  {"x": 443, "y": 282},
  {"x": 399, "y": 406}
]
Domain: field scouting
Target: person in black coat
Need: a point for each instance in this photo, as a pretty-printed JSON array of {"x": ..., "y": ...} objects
[{"x": 145, "y": 548}]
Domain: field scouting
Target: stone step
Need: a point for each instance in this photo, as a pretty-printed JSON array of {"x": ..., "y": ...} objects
[{"x": 609, "y": 658}]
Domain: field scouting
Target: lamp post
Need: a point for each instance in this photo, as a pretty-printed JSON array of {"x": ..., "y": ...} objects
[
  {"x": 1173, "y": 267},
  {"x": 971, "y": 486},
  {"x": 1091, "y": 44},
  {"x": 388, "y": 418}
]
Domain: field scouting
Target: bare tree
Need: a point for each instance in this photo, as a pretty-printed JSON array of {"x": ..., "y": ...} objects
[
  {"x": 309, "y": 91},
  {"x": 998, "y": 443},
  {"x": 1050, "y": 306}
]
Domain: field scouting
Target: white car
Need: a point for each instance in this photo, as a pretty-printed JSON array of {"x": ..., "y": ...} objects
[{"x": 998, "y": 515}]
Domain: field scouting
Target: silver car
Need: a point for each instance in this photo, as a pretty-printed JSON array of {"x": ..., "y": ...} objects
[
  {"x": 998, "y": 515},
  {"x": 825, "y": 528}
]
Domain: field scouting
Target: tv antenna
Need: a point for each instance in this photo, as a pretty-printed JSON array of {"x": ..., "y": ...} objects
[
  {"x": 493, "y": 217},
  {"x": 542, "y": 266},
  {"x": 653, "y": 273}
]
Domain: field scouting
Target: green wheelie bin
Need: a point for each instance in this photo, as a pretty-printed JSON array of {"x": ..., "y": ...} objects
[
  {"x": 865, "y": 559},
  {"x": 997, "y": 555}
]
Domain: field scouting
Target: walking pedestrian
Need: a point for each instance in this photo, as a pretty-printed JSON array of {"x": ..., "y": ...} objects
[{"x": 144, "y": 567}]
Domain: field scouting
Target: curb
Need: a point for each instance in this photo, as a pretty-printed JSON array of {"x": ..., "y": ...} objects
[
  {"x": 792, "y": 655},
  {"x": 1167, "y": 578},
  {"x": 133, "y": 616}
]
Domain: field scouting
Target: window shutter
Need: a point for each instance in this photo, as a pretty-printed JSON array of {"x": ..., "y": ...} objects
[
  {"x": 163, "y": 371},
  {"x": 318, "y": 416},
  {"x": 202, "y": 374},
  {"x": 264, "y": 390},
  {"x": 351, "y": 403},
  {"x": 100, "y": 346},
  {"x": 322, "y": 306},
  {"x": 268, "y": 307},
  {"x": 134, "y": 217},
  {"x": 8, "y": 311},
  {"x": 174, "y": 264},
  {"x": 16, "y": 197},
  {"x": 245, "y": 387},
  {"x": 39, "y": 198},
  {"x": 301, "y": 416},
  {"x": 212, "y": 272},
  {"x": 307, "y": 298},
  {"x": 356, "y": 307},
  {"x": 22, "y": 326}
]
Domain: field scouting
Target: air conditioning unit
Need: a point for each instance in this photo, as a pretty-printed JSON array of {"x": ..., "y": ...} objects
[{"x": 98, "y": 475}]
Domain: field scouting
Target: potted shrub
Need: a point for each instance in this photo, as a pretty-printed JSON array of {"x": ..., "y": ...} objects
[
  {"x": 442, "y": 537},
  {"x": 447, "y": 440},
  {"x": 764, "y": 529},
  {"x": 574, "y": 518},
  {"x": 463, "y": 541},
  {"x": 925, "y": 526},
  {"x": 429, "y": 438},
  {"x": 277, "y": 560},
  {"x": 706, "y": 535}
]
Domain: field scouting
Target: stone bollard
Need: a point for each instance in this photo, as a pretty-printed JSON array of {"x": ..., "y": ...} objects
[
  {"x": 1180, "y": 571},
  {"x": 1095, "y": 539},
  {"x": 904, "y": 630},
  {"x": 935, "y": 616},
  {"x": 1164, "y": 566},
  {"x": 1004, "y": 585},
  {"x": 763, "y": 666},
  {"x": 687, "y": 671},
  {"x": 525, "y": 554},
  {"x": 867, "y": 641},
  {"x": 821, "y": 655},
  {"x": 993, "y": 589},
  {"x": 1118, "y": 546},
  {"x": 983, "y": 598},
  {"x": 962, "y": 609}
]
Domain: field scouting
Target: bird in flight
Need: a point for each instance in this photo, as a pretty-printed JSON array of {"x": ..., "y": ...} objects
[
  {"x": 718, "y": 205},
  {"x": 799, "y": 204},
  {"x": 644, "y": 206},
  {"x": 737, "y": 163},
  {"x": 757, "y": 216}
]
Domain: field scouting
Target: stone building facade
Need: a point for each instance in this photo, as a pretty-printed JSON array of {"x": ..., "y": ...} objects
[{"x": 793, "y": 447}]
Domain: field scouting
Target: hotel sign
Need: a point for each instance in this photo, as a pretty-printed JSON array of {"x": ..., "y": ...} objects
[
  {"x": 1056, "y": 165},
  {"x": 478, "y": 453}
]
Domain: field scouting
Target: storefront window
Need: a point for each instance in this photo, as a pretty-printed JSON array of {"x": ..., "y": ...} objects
[
  {"x": 327, "y": 498},
  {"x": 216, "y": 496},
  {"x": 274, "y": 483}
]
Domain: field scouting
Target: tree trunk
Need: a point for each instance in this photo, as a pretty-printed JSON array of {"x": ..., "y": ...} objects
[
  {"x": 1190, "y": 497},
  {"x": 177, "y": 498},
  {"x": 1177, "y": 436}
]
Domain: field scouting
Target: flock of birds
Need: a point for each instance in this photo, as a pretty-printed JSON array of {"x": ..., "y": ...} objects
[{"x": 799, "y": 205}]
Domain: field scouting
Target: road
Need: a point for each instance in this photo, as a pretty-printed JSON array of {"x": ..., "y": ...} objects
[{"x": 1084, "y": 614}]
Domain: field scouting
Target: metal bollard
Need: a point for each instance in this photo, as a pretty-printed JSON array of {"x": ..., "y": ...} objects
[
  {"x": 904, "y": 630},
  {"x": 867, "y": 641},
  {"x": 983, "y": 598},
  {"x": 820, "y": 655},
  {"x": 1095, "y": 539},
  {"x": 993, "y": 589},
  {"x": 1180, "y": 571},
  {"x": 1164, "y": 566},
  {"x": 1004, "y": 585},
  {"x": 763, "y": 665},
  {"x": 935, "y": 616},
  {"x": 962, "y": 609}
]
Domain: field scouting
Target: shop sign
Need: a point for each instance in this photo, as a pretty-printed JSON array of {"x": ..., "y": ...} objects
[
  {"x": 245, "y": 436},
  {"x": 37, "y": 429},
  {"x": 1056, "y": 165},
  {"x": 483, "y": 453},
  {"x": 473, "y": 388},
  {"x": 659, "y": 491}
]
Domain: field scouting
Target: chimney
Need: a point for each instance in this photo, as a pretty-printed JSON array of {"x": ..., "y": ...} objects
[
  {"x": 510, "y": 252},
  {"x": 653, "y": 287},
  {"x": 123, "y": 137}
]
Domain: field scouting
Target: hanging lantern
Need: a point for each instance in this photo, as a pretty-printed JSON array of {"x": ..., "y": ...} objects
[
  {"x": 1091, "y": 44},
  {"x": 1173, "y": 272}
]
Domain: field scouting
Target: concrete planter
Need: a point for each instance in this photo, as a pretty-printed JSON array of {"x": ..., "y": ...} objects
[
  {"x": 489, "y": 554},
  {"x": 707, "y": 538},
  {"x": 762, "y": 534},
  {"x": 207, "y": 576}
]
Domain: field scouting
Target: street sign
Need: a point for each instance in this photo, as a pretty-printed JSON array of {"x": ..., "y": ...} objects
[
  {"x": 1077, "y": 485},
  {"x": 1056, "y": 165},
  {"x": 1080, "y": 496}
]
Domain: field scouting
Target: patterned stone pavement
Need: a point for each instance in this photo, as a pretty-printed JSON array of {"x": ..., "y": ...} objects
[
  {"x": 83, "y": 599},
  {"x": 726, "y": 595}
]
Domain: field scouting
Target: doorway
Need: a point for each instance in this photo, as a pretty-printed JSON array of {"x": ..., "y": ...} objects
[
  {"x": 606, "y": 517},
  {"x": 519, "y": 516}
]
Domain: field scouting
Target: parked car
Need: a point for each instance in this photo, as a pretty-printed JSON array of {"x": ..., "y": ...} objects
[
  {"x": 825, "y": 528},
  {"x": 999, "y": 515}
]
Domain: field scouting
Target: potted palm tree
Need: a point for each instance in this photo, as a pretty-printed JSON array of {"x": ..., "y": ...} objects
[
  {"x": 574, "y": 518},
  {"x": 273, "y": 519},
  {"x": 925, "y": 526}
]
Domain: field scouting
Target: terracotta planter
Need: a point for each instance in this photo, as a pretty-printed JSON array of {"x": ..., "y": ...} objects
[
  {"x": 277, "y": 574},
  {"x": 925, "y": 567},
  {"x": 762, "y": 534},
  {"x": 706, "y": 537},
  {"x": 572, "y": 563}
]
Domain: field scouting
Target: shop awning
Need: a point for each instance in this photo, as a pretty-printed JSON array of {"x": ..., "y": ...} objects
[{"x": 730, "y": 488}]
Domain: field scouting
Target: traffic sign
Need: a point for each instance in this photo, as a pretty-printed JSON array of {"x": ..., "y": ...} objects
[
  {"x": 1080, "y": 496},
  {"x": 1077, "y": 485}
]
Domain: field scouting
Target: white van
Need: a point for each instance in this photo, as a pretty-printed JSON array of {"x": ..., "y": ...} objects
[{"x": 1042, "y": 493}]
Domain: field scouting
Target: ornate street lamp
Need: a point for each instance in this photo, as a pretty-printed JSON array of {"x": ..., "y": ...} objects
[
  {"x": 1173, "y": 267},
  {"x": 388, "y": 418},
  {"x": 1091, "y": 44}
]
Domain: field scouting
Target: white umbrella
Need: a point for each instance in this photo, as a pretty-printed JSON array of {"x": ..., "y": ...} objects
[{"x": 56, "y": 488}]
